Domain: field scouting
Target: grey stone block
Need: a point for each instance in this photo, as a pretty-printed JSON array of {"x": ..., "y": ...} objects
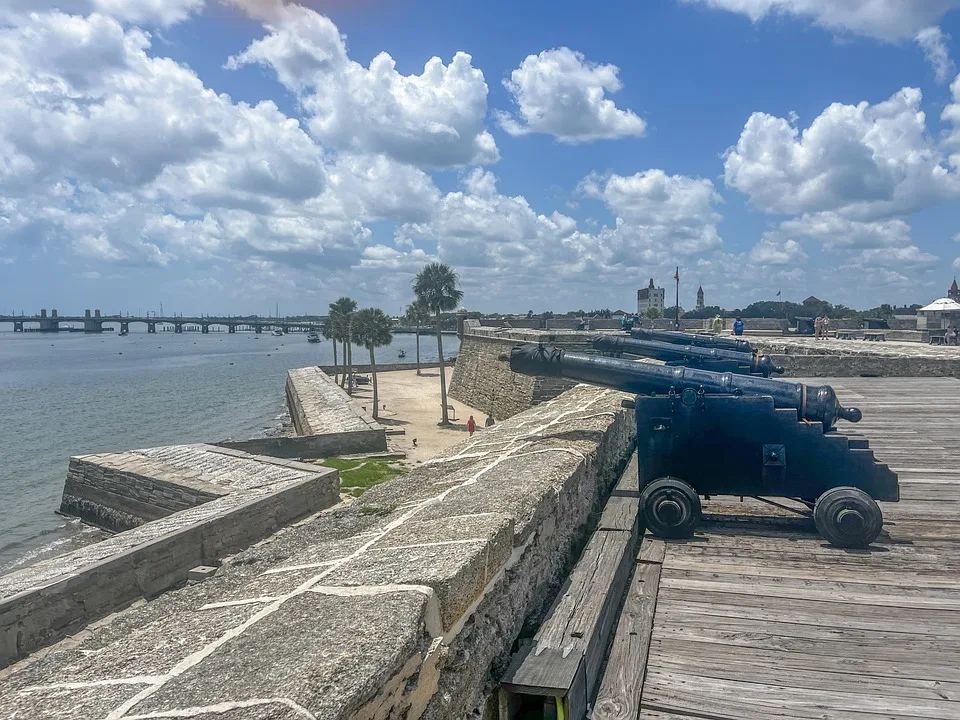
[
  {"x": 201, "y": 572},
  {"x": 331, "y": 655}
]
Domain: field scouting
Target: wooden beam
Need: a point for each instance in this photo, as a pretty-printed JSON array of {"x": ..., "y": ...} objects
[
  {"x": 567, "y": 652},
  {"x": 621, "y": 688}
]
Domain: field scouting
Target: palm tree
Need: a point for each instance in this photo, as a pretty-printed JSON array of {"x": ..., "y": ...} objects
[
  {"x": 418, "y": 314},
  {"x": 329, "y": 332},
  {"x": 438, "y": 287},
  {"x": 372, "y": 329},
  {"x": 342, "y": 312}
]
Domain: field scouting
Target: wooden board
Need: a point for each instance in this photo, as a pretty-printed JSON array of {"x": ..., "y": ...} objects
[
  {"x": 566, "y": 654},
  {"x": 621, "y": 687}
]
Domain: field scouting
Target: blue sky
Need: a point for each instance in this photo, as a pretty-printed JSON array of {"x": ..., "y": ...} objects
[{"x": 222, "y": 156}]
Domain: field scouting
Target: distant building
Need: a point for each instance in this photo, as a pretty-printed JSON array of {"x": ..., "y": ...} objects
[
  {"x": 954, "y": 292},
  {"x": 618, "y": 313},
  {"x": 700, "y": 304},
  {"x": 939, "y": 315},
  {"x": 812, "y": 300},
  {"x": 649, "y": 297}
]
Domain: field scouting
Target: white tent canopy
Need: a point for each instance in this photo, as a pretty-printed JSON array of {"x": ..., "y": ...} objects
[{"x": 942, "y": 305}]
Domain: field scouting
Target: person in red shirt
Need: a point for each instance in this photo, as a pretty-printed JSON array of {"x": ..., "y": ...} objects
[{"x": 471, "y": 425}]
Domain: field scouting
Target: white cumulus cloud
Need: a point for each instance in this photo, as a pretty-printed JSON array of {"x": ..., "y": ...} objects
[
  {"x": 863, "y": 160},
  {"x": 836, "y": 232},
  {"x": 884, "y": 19},
  {"x": 933, "y": 41},
  {"x": 561, "y": 93},
  {"x": 434, "y": 119},
  {"x": 141, "y": 12},
  {"x": 908, "y": 257},
  {"x": 773, "y": 250}
]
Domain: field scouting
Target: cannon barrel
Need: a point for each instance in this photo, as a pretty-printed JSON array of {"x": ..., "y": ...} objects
[
  {"x": 761, "y": 364},
  {"x": 681, "y": 338},
  {"x": 812, "y": 402}
]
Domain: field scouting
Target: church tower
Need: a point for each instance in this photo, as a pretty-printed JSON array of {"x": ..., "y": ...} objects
[
  {"x": 700, "y": 296},
  {"x": 954, "y": 292}
]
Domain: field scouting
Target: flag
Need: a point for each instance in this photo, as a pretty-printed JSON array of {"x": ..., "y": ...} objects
[
  {"x": 778, "y": 293},
  {"x": 676, "y": 275}
]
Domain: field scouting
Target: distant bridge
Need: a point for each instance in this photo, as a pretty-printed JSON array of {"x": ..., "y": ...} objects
[{"x": 94, "y": 322}]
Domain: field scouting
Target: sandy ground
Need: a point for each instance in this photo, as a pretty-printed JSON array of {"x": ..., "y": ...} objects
[{"x": 413, "y": 405}]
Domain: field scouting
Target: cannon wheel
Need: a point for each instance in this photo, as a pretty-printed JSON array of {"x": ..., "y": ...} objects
[
  {"x": 848, "y": 517},
  {"x": 669, "y": 508}
]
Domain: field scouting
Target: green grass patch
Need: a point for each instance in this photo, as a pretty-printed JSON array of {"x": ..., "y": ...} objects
[{"x": 358, "y": 476}]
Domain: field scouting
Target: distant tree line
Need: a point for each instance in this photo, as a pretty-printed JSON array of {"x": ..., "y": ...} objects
[{"x": 760, "y": 309}]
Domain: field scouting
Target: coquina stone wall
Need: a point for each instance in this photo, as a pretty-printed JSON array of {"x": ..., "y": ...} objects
[
  {"x": 119, "y": 491},
  {"x": 405, "y": 605},
  {"x": 62, "y": 595},
  {"x": 482, "y": 381}
]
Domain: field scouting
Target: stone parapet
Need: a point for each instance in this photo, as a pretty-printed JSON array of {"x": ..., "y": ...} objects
[
  {"x": 61, "y": 595},
  {"x": 481, "y": 381},
  {"x": 119, "y": 491},
  {"x": 318, "y": 405},
  {"x": 403, "y": 606},
  {"x": 806, "y": 357}
]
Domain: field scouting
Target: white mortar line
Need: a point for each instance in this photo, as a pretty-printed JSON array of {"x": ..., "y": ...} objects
[
  {"x": 235, "y": 603},
  {"x": 362, "y": 590},
  {"x": 204, "y": 652},
  {"x": 569, "y": 451},
  {"x": 307, "y": 566},
  {"x": 431, "y": 544},
  {"x": 511, "y": 561},
  {"x": 139, "y": 680},
  {"x": 226, "y": 707}
]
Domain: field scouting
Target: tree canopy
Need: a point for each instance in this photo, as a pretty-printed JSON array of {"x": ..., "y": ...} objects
[{"x": 438, "y": 287}]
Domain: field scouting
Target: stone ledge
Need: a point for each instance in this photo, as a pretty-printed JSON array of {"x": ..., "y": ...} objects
[
  {"x": 43, "y": 602},
  {"x": 119, "y": 491}
]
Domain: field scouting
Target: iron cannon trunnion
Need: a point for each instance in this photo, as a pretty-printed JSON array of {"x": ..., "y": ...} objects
[{"x": 702, "y": 433}]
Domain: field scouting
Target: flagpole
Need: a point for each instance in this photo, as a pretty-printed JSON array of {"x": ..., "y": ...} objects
[{"x": 677, "y": 308}]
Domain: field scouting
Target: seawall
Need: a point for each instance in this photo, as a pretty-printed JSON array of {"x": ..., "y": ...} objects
[{"x": 327, "y": 420}]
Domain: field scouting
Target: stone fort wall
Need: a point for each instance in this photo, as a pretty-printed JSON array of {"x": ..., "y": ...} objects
[{"x": 482, "y": 381}]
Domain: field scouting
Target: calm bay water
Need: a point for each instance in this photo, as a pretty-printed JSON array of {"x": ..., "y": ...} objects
[{"x": 71, "y": 394}]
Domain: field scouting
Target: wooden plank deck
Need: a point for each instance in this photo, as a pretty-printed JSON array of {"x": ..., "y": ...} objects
[{"x": 769, "y": 621}]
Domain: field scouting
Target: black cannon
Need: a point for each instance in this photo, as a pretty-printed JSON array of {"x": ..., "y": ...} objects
[
  {"x": 706, "y": 433},
  {"x": 704, "y": 341},
  {"x": 715, "y": 359}
]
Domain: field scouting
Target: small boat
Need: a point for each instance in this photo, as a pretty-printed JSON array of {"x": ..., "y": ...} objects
[
  {"x": 402, "y": 353},
  {"x": 277, "y": 333},
  {"x": 313, "y": 337},
  {"x": 123, "y": 333}
]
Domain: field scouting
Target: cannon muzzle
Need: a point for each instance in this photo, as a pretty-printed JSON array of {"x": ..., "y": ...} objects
[
  {"x": 812, "y": 402},
  {"x": 689, "y": 355},
  {"x": 704, "y": 341}
]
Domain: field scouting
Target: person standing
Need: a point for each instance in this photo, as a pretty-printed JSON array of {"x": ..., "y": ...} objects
[
  {"x": 471, "y": 425},
  {"x": 950, "y": 337},
  {"x": 738, "y": 327},
  {"x": 818, "y": 327},
  {"x": 489, "y": 421}
]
